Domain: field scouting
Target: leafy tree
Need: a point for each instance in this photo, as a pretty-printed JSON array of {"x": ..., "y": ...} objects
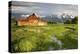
[
  {"x": 67, "y": 22},
  {"x": 75, "y": 20},
  {"x": 52, "y": 22}
]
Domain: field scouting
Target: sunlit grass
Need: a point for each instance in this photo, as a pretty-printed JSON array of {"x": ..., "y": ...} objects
[{"x": 38, "y": 38}]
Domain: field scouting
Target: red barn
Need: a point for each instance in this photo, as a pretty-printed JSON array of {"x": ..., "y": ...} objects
[{"x": 31, "y": 20}]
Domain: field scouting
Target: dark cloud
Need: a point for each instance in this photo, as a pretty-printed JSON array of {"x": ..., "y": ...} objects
[{"x": 43, "y": 8}]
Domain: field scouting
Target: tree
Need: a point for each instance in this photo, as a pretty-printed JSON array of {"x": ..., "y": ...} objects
[
  {"x": 67, "y": 22},
  {"x": 75, "y": 20}
]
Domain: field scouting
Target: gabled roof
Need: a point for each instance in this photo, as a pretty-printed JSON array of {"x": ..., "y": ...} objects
[{"x": 31, "y": 17}]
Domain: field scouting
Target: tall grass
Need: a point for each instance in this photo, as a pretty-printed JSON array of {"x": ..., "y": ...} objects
[{"x": 41, "y": 38}]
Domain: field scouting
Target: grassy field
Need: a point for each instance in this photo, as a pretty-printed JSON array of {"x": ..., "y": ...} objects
[{"x": 42, "y": 38}]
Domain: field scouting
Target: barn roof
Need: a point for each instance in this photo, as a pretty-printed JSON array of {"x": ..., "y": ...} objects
[{"x": 31, "y": 17}]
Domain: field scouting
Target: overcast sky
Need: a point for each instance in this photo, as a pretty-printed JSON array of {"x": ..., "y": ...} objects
[{"x": 44, "y": 8}]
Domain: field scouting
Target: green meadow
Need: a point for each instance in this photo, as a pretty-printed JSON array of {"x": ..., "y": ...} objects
[{"x": 43, "y": 38}]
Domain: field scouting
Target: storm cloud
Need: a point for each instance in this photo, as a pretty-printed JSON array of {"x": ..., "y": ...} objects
[{"x": 43, "y": 8}]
